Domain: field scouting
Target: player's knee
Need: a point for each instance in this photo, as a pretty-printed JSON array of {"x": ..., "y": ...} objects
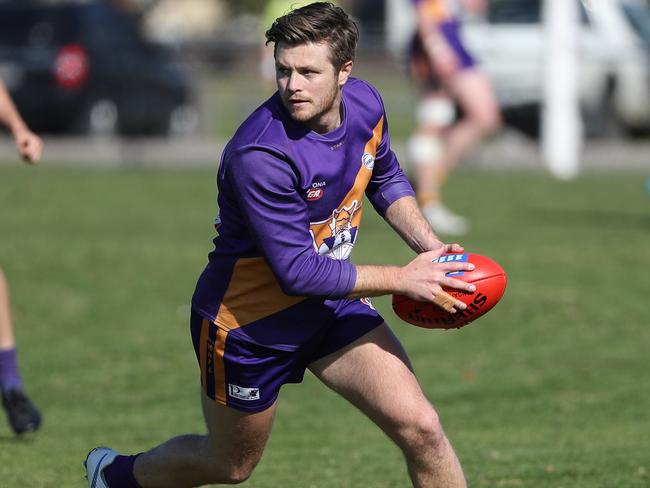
[
  {"x": 238, "y": 474},
  {"x": 488, "y": 122},
  {"x": 438, "y": 112},
  {"x": 232, "y": 474},
  {"x": 217, "y": 470},
  {"x": 425, "y": 432},
  {"x": 425, "y": 150}
]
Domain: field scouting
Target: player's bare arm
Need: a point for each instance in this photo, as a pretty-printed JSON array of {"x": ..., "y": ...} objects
[
  {"x": 421, "y": 279},
  {"x": 405, "y": 216},
  {"x": 29, "y": 145}
]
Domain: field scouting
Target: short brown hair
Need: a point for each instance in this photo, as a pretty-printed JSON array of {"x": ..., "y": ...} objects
[{"x": 318, "y": 22}]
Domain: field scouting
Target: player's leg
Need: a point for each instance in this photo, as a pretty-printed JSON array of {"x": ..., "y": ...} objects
[
  {"x": 375, "y": 375},
  {"x": 473, "y": 91},
  {"x": 428, "y": 153},
  {"x": 235, "y": 438},
  {"x": 426, "y": 147},
  {"x": 228, "y": 454},
  {"x": 23, "y": 416},
  {"x": 7, "y": 340}
]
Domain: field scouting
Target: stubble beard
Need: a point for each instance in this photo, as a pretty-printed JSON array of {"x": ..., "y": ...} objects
[{"x": 318, "y": 111}]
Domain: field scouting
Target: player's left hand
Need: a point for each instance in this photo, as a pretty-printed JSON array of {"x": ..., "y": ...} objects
[
  {"x": 454, "y": 248},
  {"x": 448, "y": 247},
  {"x": 29, "y": 145}
]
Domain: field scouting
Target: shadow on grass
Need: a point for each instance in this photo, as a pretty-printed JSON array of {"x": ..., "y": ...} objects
[{"x": 8, "y": 439}]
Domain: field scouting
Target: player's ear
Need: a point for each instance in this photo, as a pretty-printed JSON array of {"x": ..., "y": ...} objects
[{"x": 344, "y": 72}]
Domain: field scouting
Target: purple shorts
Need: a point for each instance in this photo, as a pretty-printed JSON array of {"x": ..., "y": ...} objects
[{"x": 245, "y": 367}]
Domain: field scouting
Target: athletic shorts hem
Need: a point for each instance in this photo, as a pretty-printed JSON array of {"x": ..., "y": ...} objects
[{"x": 246, "y": 408}]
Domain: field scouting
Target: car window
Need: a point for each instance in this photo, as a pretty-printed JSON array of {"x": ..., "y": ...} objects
[
  {"x": 639, "y": 18},
  {"x": 106, "y": 27},
  {"x": 514, "y": 11},
  {"x": 35, "y": 27}
]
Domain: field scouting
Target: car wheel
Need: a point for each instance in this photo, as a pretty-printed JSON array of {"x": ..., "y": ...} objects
[{"x": 183, "y": 120}]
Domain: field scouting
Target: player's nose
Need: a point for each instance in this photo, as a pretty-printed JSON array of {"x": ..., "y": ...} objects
[{"x": 293, "y": 84}]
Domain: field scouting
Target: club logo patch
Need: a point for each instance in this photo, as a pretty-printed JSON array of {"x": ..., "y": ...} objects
[
  {"x": 246, "y": 394},
  {"x": 339, "y": 232},
  {"x": 368, "y": 302},
  {"x": 368, "y": 160}
]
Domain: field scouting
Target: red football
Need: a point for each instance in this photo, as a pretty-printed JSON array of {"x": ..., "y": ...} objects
[{"x": 490, "y": 281}]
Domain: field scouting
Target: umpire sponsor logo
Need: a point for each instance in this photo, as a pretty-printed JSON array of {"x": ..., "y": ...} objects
[{"x": 247, "y": 394}]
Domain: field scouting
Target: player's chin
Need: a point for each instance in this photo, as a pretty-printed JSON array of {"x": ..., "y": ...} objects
[{"x": 301, "y": 115}]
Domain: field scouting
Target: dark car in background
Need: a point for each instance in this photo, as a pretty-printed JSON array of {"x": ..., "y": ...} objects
[{"x": 78, "y": 67}]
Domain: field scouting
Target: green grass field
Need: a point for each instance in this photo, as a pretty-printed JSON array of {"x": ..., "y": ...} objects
[{"x": 550, "y": 389}]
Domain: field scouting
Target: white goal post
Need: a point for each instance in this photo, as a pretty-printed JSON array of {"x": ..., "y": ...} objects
[{"x": 562, "y": 131}]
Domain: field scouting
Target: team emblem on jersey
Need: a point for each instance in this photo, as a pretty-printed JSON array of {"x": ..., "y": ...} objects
[
  {"x": 368, "y": 160},
  {"x": 335, "y": 237},
  {"x": 367, "y": 301}
]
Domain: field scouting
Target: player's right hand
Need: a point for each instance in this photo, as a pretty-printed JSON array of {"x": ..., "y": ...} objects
[
  {"x": 29, "y": 145},
  {"x": 423, "y": 280}
]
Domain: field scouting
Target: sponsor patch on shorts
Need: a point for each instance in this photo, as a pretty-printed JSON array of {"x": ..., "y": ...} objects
[{"x": 246, "y": 394}]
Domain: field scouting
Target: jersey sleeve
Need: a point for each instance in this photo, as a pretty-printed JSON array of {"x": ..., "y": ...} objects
[
  {"x": 388, "y": 182},
  {"x": 265, "y": 186}
]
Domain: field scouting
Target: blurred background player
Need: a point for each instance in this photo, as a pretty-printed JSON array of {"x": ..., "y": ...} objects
[
  {"x": 23, "y": 416},
  {"x": 448, "y": 77}
]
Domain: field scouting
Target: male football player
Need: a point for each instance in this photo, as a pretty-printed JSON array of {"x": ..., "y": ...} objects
[
  {"x": 23, "y": 416},
  {"x": 280, "y": 296}
]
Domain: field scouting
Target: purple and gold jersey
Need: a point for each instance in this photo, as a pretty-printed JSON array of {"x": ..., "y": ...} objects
[
  {"x": 442, "y": 16},
  {"x": 438, "y": 11},
  {"x": 290, "y": 203}
]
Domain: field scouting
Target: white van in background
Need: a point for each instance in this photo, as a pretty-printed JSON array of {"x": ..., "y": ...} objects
[{"x": 614, "y": 40}]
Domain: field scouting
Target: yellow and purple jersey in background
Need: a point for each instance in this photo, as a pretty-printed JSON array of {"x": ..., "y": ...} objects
[
  {"x": 443, "y": 16},
  {"x": 439, "y": 11}
]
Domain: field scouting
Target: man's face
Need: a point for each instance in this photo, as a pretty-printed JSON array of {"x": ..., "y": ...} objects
[{"x": 309, "y": 85}]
